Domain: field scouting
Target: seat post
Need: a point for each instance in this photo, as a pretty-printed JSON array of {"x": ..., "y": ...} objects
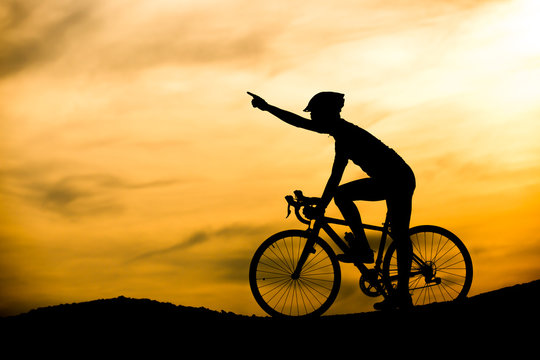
[{"x": 387, "y": 221}]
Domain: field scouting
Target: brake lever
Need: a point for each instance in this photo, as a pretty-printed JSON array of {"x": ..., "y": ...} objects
[{"x": 289, "y": 198}]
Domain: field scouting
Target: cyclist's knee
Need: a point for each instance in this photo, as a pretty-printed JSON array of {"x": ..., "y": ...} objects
[{"x": 341, "y": 198}]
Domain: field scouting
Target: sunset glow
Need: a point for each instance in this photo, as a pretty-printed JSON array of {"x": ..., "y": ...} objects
[{"x": 134, "y": 164}]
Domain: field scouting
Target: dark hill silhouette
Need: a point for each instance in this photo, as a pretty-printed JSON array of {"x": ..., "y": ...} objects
[
  {"x": 509, "y": 301},
  {"x": 503, "y": 315}
]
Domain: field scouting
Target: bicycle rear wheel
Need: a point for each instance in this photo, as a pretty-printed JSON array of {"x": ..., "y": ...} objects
[
  {"x": 274, "y": 288},
  {"x": 441, "y": 269}
]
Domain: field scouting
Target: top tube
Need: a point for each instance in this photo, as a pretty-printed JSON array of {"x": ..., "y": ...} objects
[{"x": 330, "y": 220}]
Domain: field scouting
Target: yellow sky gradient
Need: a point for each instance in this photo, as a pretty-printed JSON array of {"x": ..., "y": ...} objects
[{"x": 133, "y": 163}]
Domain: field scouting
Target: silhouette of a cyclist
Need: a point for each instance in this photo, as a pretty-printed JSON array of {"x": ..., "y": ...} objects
[{"x": 390, "y": 179}]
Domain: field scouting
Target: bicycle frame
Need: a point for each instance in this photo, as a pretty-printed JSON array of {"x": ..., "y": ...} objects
[{"x": 324, "y": 224}]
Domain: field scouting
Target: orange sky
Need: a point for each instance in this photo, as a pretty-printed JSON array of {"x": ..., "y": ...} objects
[{"x": 133, "y": 163}]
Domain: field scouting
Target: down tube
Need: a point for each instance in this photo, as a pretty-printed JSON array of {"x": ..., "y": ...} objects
[{"x": 334, "y": 236}]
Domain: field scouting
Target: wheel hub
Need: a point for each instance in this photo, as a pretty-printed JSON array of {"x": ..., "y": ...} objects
[{"x": 429, "y": 271}]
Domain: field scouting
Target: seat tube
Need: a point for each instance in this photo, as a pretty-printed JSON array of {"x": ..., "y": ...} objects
[{"x": 382, "y": 244}]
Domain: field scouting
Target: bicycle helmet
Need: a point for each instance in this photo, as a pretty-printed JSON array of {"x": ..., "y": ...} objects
[{"x": 327, "y": 100}]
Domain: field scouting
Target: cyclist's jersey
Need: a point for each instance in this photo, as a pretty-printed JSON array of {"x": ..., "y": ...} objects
[{"x": 375, "y": 158}]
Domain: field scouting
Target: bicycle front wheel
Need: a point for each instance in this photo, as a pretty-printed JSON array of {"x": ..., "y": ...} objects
[
  {"x": 278, "y": 292},
  {"x": 441, "y": 269}
]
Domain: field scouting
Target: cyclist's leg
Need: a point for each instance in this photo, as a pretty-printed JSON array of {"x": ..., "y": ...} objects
[
  {"x": 399, "y": 203},
  {"x": 400, "y": 208},
  {"x": 364, "y": 189}
]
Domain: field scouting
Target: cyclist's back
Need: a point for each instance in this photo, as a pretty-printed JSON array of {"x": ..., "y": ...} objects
[{"x": 375, "y": 158}]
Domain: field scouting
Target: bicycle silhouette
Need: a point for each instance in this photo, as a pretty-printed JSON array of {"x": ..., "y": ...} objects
[{"x": 295, "y": 273}]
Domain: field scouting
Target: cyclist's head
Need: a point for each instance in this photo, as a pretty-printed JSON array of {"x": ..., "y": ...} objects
[{"x": 326, "y": 103}]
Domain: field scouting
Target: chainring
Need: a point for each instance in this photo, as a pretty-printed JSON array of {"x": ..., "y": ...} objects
[{"x": 367, "y": 287}]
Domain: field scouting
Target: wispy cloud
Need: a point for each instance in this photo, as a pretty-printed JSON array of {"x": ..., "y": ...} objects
[
  {"x": 183, "y": 33},
  {"x": 226, "y": 233},
  {"x": 138, "y": 36},
  {"x": 71, "y": 195},
  {"x": 32, "y": 32}
]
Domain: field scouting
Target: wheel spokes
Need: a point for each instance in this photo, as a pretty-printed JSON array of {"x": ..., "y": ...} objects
[
  {"x": 439, "y": 270},
  {"x": 290, "y": 296}
]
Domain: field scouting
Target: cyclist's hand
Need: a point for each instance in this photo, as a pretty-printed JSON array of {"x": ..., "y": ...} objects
[
  {"x": 313, "y": 212},
  {"x": 258, "y": 102}
]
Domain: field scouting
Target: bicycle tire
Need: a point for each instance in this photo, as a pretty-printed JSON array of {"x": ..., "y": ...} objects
[
  {"x": 445, "y": 259},
  {"x": 277, "y": 293}
]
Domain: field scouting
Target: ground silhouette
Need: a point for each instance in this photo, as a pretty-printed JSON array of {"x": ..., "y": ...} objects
[{"x": 507, "y": 318}]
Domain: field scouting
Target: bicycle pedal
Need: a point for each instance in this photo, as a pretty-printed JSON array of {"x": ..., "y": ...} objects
[{"x": 349, "y": 236}]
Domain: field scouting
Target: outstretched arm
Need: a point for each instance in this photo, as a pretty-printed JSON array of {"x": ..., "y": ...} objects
[{"x": 284, "y": 115}]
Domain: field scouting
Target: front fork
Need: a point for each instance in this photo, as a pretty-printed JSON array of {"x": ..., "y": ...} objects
[{"x": 308, "y": 249}]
